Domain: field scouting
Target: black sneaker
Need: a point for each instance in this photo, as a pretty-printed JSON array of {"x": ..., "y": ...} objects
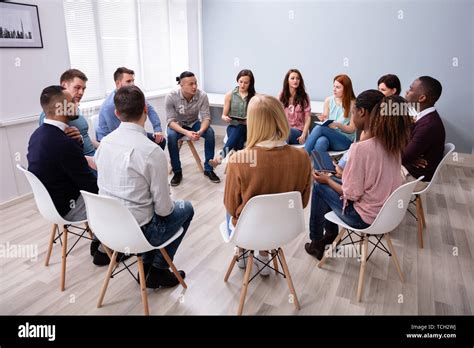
[
  {"x": 315, "y": 248},
  {"x": 212, "y": 176},
  {"x": 162, "y": 278},
  {"x": 94, "y": 246},
  {"x": 146, "y": 269},
  {"x": 329, "y": 238},
  {"x": 176, "y": 180},
  {"x": 102, "y": 259}
]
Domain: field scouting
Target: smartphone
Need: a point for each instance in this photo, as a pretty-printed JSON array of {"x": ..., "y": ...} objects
[{"x": 323, "y": 162}]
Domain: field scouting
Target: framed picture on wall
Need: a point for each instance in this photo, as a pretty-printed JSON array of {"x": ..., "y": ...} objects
[{"x": 19, "y": 26}]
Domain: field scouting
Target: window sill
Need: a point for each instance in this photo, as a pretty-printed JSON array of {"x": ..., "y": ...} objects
[{"x": 96, "y": 103}]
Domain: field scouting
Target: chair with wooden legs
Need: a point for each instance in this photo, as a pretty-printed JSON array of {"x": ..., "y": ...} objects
[
  {"x": 390, "y": 216},
  {"x": 60, "y": 227},
  {"x": 123, "y": 234},
  {"x": 416, "y": 200},
  {"x": 260, "y": 228},
  {"x": 196, "y": 156}
]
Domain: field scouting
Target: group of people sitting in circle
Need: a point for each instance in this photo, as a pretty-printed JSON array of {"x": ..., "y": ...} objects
[{"x": 389, "y": 141}]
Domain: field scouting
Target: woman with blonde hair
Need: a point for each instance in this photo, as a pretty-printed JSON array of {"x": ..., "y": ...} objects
[{"x": 251, "y": 172}]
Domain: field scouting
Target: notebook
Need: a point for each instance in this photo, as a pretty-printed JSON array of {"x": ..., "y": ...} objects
[
  {"x": 324, "y": 123},
  {"x": 323, "y": 162},
  {"x": 238, "y": 118}
]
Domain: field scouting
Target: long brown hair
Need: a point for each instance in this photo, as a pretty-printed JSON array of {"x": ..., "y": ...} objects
[
  {"x": 390, "y": 124},
  {"x": 251, "y": 90},
  {"x": 348, "y": 93},
  {"x": 301, "y": 97}
]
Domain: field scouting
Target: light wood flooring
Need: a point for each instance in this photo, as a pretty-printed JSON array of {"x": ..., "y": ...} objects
[{"x": 439, "y": 279}]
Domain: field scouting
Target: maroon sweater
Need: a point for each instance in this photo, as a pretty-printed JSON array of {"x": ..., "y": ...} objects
[{"x": 427, "y": 140}]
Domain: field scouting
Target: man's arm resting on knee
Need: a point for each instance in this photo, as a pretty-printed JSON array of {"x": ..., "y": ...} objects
[
  {"x": 177, "y": 128},
  {"x": 204, "y": 126}
]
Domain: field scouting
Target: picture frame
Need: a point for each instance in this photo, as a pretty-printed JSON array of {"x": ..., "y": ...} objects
[{"x": 19, "y": 26}]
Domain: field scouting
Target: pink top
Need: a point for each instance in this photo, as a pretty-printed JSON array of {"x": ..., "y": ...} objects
[
  {"x": 296, "y": 116},
  {"x": 369, "y": 178}
]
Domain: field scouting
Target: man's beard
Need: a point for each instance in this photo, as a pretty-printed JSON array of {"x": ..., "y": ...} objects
[{"x": 72, "y": 117}]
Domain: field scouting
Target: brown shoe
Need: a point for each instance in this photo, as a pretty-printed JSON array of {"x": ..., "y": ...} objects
[
  {"x": 315, "y": 248},
  {"x": 215, "y": 162}
]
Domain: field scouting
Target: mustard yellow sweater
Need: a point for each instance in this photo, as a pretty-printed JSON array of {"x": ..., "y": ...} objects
[{"x": 259, "y": 170}]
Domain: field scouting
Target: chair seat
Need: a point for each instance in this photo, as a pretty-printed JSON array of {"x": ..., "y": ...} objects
[
  {"x": 331, "y": 216},
  {"x": 66, "y": 222},
  {"x": 337, "y": 153},
  {"x": 225, "y": 233},
  {"x": 146, "y": 246}
]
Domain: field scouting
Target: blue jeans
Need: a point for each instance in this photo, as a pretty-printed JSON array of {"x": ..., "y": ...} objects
[
  {"x": 228, "y": 221},
  {"x": 209, "y": 144},
  {"x": 162, "y": 228},
  {"x": 326, "y": 139},
  {"x": 324, "y": 199},
  {"x": 294, "y": 135},
  {"x": 236, "y": 137}
]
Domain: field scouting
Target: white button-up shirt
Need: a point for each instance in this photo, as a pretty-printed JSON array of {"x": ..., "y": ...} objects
[
  {"x": 134, "y": 169},
  {"x": 61, "y": 125},
  {"x": 424, "y": 113}
]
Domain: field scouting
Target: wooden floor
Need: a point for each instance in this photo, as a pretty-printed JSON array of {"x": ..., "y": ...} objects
[{"x": 439, "y": 278}]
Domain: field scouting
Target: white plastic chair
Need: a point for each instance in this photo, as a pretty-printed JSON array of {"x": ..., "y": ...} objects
[
  {"x": 117, "y": 228},
  {"x": 389, "y": 217},
  {"x": 49, "y": 212},
  {"x": 337, "y": 153},
  {"x": 298, "y": 146},
  {"x": 420, "y": 215},
  {"x": 93, "y": 125},
  {"x": 267, "y": 222}
]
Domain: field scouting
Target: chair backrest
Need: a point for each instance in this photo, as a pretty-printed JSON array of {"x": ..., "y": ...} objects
[
  {"x": 43, "y": 199},
  {"x": 394, "y": 209},
  {"x": 114, "y": 224},
  {"x": 448, "y": 149},
  {"x": 269, "y": 221},
  {"x": 93, "y": 125}
]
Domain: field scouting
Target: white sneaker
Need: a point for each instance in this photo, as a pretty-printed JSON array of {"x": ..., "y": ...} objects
[{"x": 242, "y": 262}]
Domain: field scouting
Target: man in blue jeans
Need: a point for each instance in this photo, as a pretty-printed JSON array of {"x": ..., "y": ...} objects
[
  {"x": 183, "y": 108},
  {"x": 135, "y": 171}
]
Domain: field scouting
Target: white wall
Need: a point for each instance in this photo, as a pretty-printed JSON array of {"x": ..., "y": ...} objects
[
  {"x": 24, "y": 73},
  {"x": 364, "y": 39},
  {"x": 20, "y": 87}
]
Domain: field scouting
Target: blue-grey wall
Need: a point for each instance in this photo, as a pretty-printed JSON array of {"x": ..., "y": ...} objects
[{"x": 364, "y": 39}]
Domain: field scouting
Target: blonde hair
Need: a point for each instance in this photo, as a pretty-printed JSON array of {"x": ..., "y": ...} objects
[{"x": 266, "y": 120}]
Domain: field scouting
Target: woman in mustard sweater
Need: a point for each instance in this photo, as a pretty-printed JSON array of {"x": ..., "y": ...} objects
[{"x": 251, "y": 172}]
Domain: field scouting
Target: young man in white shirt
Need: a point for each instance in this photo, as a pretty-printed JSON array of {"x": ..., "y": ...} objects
[{"x": 134, "y": 170}]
